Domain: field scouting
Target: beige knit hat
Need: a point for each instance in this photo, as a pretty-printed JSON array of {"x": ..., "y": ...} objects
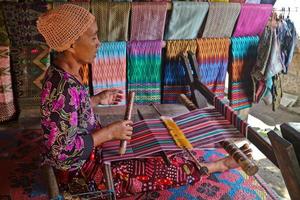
[{"x": 62, "y": 26}]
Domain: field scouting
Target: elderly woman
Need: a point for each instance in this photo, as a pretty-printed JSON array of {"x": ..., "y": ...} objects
[{"x": 70, "y": 129}]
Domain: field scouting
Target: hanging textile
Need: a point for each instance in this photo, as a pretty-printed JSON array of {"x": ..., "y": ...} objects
[
  {"x": 148, "y": 20},
  {"x": 252, "y": 20},
  {"x": 225, "y": 1},
  {"x": 21, "y": 20},
  {"x": 212, "y": 57},
  {"x": 144, "y": 70},
  {"x": 243, "y": 55},
  {"x": 109, "y": 67},
  {"x": 83, "y": 4},
  {"x": 186, "y": 20},
  {"x": 237, "y": 1},
  {"x": 268, "y": 2},
  {"x": 253, "y": 1},
  {"x": 29, "y": 65},
  {"x": 112, "y": 19},
  {"x": 174, "y": 78},
  {"x": 221, "y": 19},
  {"x": 202, "y": 127},
  {"x": 7, "y": 106}
]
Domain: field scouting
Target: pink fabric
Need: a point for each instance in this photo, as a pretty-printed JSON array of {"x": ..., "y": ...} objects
[
  {"x": 252, "y": 20},
  {"x": 148, "y": 20}
]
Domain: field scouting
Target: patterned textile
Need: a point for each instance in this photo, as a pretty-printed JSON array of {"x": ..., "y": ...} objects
[
  {"x": 20, "y": 21},
  {"x": 109, "y": 67},
  {"x": 221, "y": 19},
  {"x": 212, "y": 57},
  {"x": 174, "y": 79},
  {"x": 243, "y": 55},
  {"x": 202, "y": 127},
  {"x": 28, "y": 67},
  {"x": 83, "y": 4},
  {"x": 112, "y": 19},
  {"x": 144, "y": 70},
  {"x": 4, "y": 40},
  {"x": 186, "y": 20},
  {"x": 252, "y": 20},
  {"x": 7, "y": 106},
  {"x": 67, "y": 120},
  {"x": 148, "y": 20}
]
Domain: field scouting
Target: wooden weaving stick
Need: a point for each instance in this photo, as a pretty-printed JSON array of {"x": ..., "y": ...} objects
[
  {"x": 238, "y": 155},
  {"x": 128, "y": 113}
]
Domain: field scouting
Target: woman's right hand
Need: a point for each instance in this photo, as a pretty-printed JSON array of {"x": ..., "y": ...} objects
[{"x": 121, "y": 130}]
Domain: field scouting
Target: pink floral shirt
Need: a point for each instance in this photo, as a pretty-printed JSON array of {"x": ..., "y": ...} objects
[{"x": 67, "y": 120}]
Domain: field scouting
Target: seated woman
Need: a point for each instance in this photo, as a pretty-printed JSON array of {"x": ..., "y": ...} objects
[{"x": 70, "y": 129}]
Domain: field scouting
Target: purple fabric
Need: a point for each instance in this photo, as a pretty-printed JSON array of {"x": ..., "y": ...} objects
[{"x": 252, "y": 20}]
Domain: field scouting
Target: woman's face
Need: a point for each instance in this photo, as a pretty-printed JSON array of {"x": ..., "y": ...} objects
[{"x": 85, "y": 48}]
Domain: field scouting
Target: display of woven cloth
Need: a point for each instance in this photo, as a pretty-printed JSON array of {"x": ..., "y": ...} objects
[
  {"x": 202, "y": 127},
  {"x": 186, "y": 20},
  {"x": 109, "y": 67},
  {"x": 7, "y": 106},
  {"x": 144, "y": 70},
  {"x": 252, "y": 20},
  {"x": 148, "y": 20},
  {"x": 221, "y": 20},
  {"x": 212, "y": 57},
  {"x": 112, "y": 19},
  {"x": 20, "y": 19},
  {"x": 174, "y": 78},
  {"x": 29, "y": 65},
  {"x": 243, "y": 56}
]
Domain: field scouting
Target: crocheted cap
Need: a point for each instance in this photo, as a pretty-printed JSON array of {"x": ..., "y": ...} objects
[{"x": 62, "y": 26}]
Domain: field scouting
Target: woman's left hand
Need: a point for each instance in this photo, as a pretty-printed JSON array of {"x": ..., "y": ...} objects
[{"x": 108, "y": 97}]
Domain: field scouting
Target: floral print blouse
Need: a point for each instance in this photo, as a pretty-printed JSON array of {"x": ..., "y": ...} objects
[{"x": 67, "y": 120}]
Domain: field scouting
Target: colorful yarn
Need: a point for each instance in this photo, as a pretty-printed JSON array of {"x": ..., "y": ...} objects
[
  {"x": 243, "y": 57},
  {"x": 148, "y": 20},
  {"x": 144, "y": 70},
  {"x": 109, "y": 67},
  {"x": 253, "y": 19},
  {"x": 174, "y": 78},
  {"x": 212, "y": 57}
]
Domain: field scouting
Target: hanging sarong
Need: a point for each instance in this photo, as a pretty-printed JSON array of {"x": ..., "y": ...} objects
[
  {"x": 112, "y": 19},
  {"x": 174, "y": 78},
  {"x": 243, "y": 55},
  {"x": 7, "y": 106},
  {"x": 144, "y": 70},
  {"x": 212, "y": 57},
  {"x": 148, "y": 20},
  {"x": 186, "y": 20},
  {"x": 221, "y": 19},
  {"x": 252, "y": 20},
  {"x": 109, "y": 67}
]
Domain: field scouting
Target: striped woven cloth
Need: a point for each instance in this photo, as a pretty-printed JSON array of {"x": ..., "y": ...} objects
[
  {"x": 212, "y": 57},
  {"x": 7, "y": 106},
  {"x": 112, "y": 19},
  {"x": 148, "y": 20},
  {"x": 243, "y": 57},
  {"x": 252, "y": 20},
  {"x": 174, "y": 78},
  {"x": 144, "y": 70},
  {"x": 221, "y": 20},
  {"x": 109, "y": 67},
  {"x": 186, "y": 20},
  {"x": 202, "y": 127}
]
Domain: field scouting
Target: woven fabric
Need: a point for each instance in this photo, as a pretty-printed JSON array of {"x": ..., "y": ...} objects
[
  {"x": 186, "y": 20},
  {"x": 243, "y": 57},
  {"x": 112, "y": 19},
  {"x": 148, "y": 20},
  {"x": 252, "y": 20},
  {"x": 212, "y": 57},
  {"x": 4, "y": 40},
  {"x": 109, "y": 67},
  {"x": 20, "y": 19},
  {"x": 7, "y": 107},
  {"x": 221, "y": 20},
  {"x": 144, "y": 70},
  {"x": 174, "y": 78},
  {"x": 29, "y": 65}
]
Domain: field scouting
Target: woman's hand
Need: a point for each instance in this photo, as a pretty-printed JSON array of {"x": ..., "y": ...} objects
[{"x": 108, "y": 97}]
